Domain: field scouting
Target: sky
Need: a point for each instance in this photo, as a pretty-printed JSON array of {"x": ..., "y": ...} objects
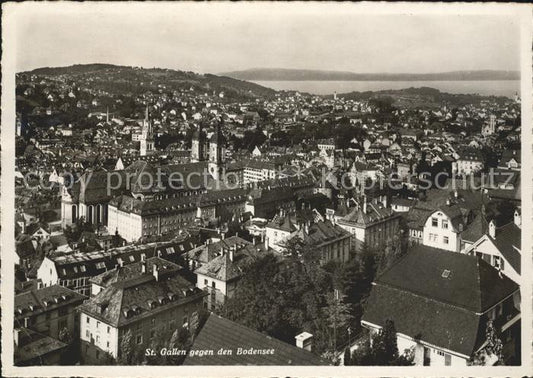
[{"x": 214, "y": 38}]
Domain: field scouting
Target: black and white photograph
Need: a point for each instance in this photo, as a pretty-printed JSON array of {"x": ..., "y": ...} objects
[{"x": 191, "y": 186}]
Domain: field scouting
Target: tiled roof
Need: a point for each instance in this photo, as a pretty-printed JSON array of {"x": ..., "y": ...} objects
[
  {"x": 219, "y": 333},
  {"x": 140, "y": 296},
  {"x": 224, "y": 267},
  {"x": 375, "y": 213},
  {"x": 324, "y": 233},
  {"x": 34, "y": 302},
  {"x": 508, "y": 241},
  {"x": 438, "y": 296},
  {"x": 476, "y": 229},
  {"x": 130, "y": 271},
  {"x": 77, "y": 264},
  {"x": 473, "y": 284},
  {"x": 208, "y": 252},
  {"x": 32, "y": 345}
]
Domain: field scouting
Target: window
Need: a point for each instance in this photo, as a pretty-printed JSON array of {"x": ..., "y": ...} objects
[
  {"x": 87, "y": 333},
  {"x": 206, "y": 283},
  {"x": 97, "y": 339},
  {"x": 434, "y": 222},
  {"x": 107, "y": 344},
  {"x": 445, "y": 224},
  {"x": 108, "y": 329},
  {"x": 447, "y": 359},
  {"x": 213, "y": 284},
  {"x": 88, "y": 320},
  {"x": 139, "y": 339},
  {"x": 446, "y": 240},
  {"x": 97, "y": 324}
]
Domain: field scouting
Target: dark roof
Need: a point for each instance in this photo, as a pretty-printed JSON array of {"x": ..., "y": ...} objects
[
  {"x": 434, "y": 322},
  {"x": 129, "y": 271},
  {"x": 141, "y": 296},
  {"x": 77, "y": 264},
  {"x": 473, "y": 284},
  {"x": 208, "y": 252},
  {"x": 476, "y": 229},
  {"x": 219, "y": 333},
  {"x": 321, "y": 233},
  {"x": 424, "y": 304},
  {"x": 32, "y": 345},
  {"x": 508, "y": 241},
  {"x": 34, "y": 302},
  {"x": 225, "y": 268}
]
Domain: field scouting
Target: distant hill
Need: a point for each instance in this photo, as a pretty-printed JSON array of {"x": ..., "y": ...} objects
[
  {"x": 419, "y": 98},
  {"x": 123, "y": 79},
  {"x": 282, "y": 74}
]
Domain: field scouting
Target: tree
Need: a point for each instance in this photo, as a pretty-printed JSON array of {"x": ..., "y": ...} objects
[
  {"x": 65, "y": 336},
  {"x": 126, "y": 353},
  {"x": 494, "y": 347},
  {"x": 383, "y": 350},
  {"x": 285, "y": 296}
]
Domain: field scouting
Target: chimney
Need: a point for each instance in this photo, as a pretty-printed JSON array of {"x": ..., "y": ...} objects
[
  {"x": 305, "y": 341},
  {"x": 517, "y": 218},
  {"x": 384, "y": 201},
  {"x": 120, "y": 263},
  {"x": 16, "y": 332},
  {"x": 364, "y": 204},
  {"x": 40, "y": 283},
  {"x": 223, "y": 235},
  {"x": 254, "y": 240},
  {"x": 456, "y": 194},
  {"x": 232, "y": 252},
  {"x": 26, "y": 320},
  {"x": 155, "y": 272},
  {"x": 492, "y": 229}
]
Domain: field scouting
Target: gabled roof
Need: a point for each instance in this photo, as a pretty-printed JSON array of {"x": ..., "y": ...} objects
[
  {"x": 48, "y": 298},
  {"x": 508, "y": 241},
  {"x": 438, "y": 297},
  {"x": 140, "y": 296},
  {"x": 208, "y": 252},
  {"x": 33, "y": 345},
  {"x": 219, "y": 332},
  {"x": 226, "y": 268},
  {"x": 476, "y": 229},
  {"x": 473, "y": 283}
]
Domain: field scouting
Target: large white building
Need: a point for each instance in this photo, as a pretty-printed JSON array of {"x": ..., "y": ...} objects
[{"x": 148, "y": 299}]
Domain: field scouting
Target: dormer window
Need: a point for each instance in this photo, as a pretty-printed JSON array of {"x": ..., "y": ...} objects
[{"x": 446, "y": 273}]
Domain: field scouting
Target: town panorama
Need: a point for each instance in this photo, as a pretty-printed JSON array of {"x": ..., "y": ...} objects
[{"x": 172, "y": 218}]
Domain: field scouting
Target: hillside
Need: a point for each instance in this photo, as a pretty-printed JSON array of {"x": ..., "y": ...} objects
[
  {"x": 122, "y": 80},
  {"x": 282, "y": 74},
  {"x": 423, "y": 97}
]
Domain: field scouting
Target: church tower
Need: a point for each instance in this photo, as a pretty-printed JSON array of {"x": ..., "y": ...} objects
[
  {"x": 216, "y": 153},
  {"x": 147, "y": 137},
  {"x": 198, "y": 150}
]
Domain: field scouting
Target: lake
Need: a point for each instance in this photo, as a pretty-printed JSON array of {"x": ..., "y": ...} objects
[{"x": 497, "y": 88}]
